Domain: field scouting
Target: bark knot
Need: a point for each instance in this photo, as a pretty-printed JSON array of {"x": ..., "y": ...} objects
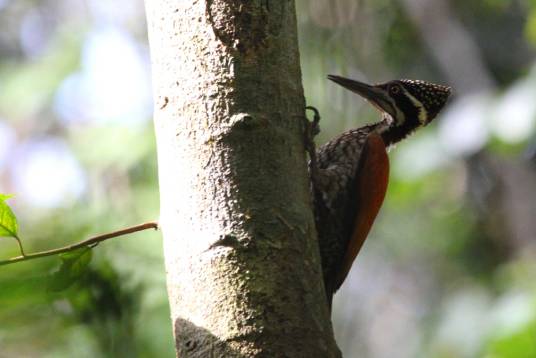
[{"x": 245, "y": 25}]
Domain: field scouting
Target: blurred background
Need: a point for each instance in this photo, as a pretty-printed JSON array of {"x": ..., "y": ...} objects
[{"x": 449, "y": 269}]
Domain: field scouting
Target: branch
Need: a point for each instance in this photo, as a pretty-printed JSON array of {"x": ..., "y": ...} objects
[
  {"x": 20, "y": 245},
  {"x": 91, "y": 242}
]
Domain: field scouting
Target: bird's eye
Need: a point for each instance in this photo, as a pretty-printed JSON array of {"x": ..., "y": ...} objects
[{"x": 394, "y": 89}]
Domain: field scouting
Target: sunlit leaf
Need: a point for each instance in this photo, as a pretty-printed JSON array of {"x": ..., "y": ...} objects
[
  {"x": 8, "y": 221},
  {"x": 520, "y": 343},
  {"x": 4, "y": 197}
]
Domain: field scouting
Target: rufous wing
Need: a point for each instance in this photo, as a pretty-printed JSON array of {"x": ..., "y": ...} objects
[{"x": 371, "y": 183}]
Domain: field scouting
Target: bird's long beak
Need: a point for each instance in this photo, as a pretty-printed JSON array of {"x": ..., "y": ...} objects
[{"x": 374, "y": 94}]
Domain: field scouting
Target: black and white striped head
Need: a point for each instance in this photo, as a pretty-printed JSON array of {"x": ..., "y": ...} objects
[
  {"x": 414, "y": 98},
  {"x": 410, "y": 103}
]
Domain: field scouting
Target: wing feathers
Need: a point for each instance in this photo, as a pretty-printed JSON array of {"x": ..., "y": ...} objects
[{"x": 371, "y": 182}]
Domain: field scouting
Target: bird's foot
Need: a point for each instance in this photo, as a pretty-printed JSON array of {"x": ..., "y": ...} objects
[
  {"x": 312, "y": 128},
  {"x": 315, "y": 124}
]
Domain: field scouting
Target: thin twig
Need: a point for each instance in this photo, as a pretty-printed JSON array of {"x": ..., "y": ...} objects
[
  {"x": 91, "y": 242},
  {"x": 20, "y": 245}
]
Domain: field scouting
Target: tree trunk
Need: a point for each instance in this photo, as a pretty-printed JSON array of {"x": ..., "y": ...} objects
[{"x": 243, "y": 267}]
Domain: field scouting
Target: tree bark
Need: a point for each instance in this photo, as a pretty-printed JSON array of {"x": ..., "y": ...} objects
[{"x": 243, "y": 268}]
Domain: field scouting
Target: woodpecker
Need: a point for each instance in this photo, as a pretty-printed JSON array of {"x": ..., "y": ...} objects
[{"x": 351, "y": 171}]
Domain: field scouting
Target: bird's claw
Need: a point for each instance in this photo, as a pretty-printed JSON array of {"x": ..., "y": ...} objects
[
  {"x": 315, "y": 124},
  {"x": 312, "y": 128}
]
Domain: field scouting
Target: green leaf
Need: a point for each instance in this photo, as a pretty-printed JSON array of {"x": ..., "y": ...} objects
[
  {"x": 4, "y": 197},
  {"x": 520, "y": 343},
  {"x": 73, "y": 267},
  {"x": 8, "y": 221}
]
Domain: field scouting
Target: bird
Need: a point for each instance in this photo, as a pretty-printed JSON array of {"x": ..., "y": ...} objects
[{"x": 350, "y": 173}]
